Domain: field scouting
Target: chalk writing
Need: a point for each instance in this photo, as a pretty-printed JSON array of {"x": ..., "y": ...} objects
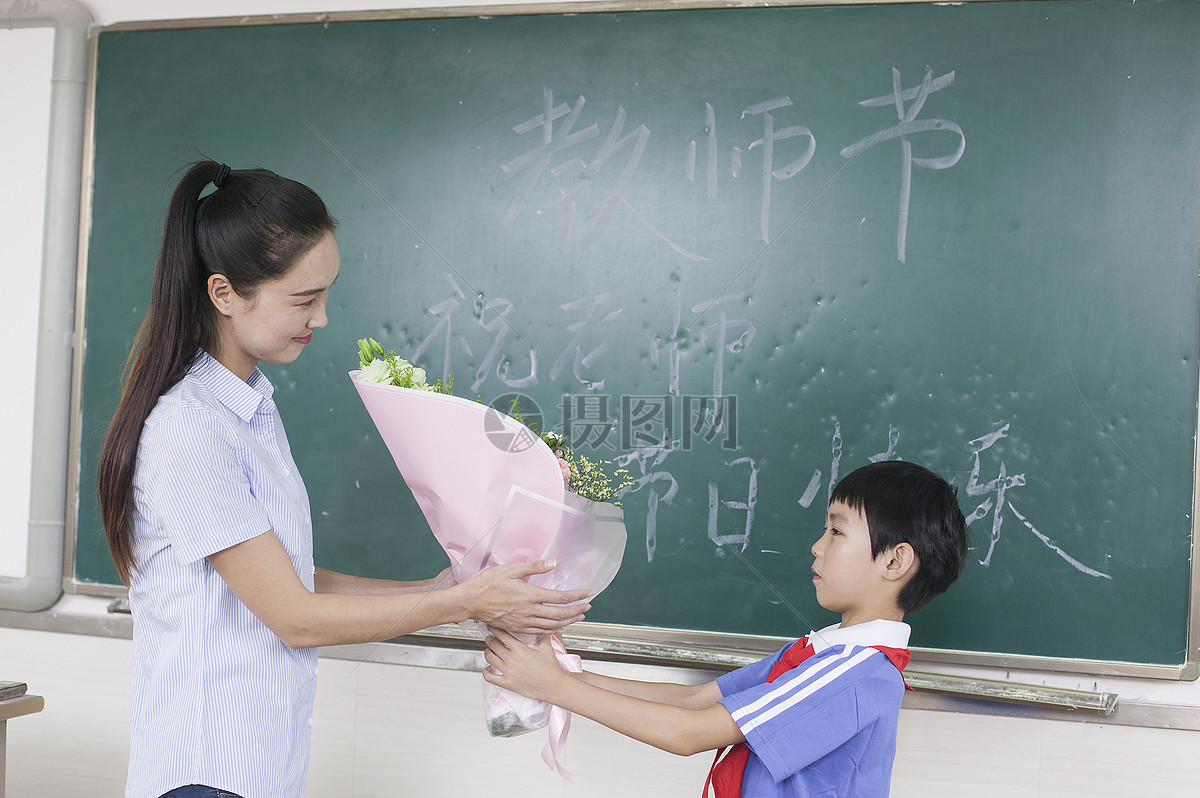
[
  {"x": 997, "y": 490},
  {"x": 574, "y": 176},
  {"x": 814, "y": 484},
  {"x": 739, "y": 539},
  {"x": 552, "y": 142},
  {"x": 710, "y": 131},
  {"x": 648, "y": 422},
  {"x": 649, "y": 454},
  {"x": 499, "y": 326},
  {"x": 909, "y": 125},
  {"x": 767, "y": 142},
  {"x": 597, "y": 312},
  {"x": 670, "y": 343},
  {"x": 443, "y": 331},
  {"x": 727, "y": 336},
  {"x": 651, "y": 431},
  {"x": 890, "y": 453},
  {"x": 446, "y": 340},
  {"x": 659, "y": 483}
]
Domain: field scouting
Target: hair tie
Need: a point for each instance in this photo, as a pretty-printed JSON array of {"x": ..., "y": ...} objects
[{"x": 222, "y": 176}]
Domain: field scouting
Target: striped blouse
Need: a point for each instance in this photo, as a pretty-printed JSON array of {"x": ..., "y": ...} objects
[{"x": 217, "y": 698}]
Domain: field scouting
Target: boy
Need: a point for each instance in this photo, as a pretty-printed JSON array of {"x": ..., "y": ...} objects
[{"x": 819, "y": 716}]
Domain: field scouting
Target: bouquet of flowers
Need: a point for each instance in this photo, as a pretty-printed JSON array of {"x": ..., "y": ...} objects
[{"x": 495, "y": 492}]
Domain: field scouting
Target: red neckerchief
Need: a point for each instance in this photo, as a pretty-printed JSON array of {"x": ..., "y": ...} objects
[{"x": 725, "y": 775}]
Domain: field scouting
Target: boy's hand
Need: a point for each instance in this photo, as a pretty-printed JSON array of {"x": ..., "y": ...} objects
[{"x": 531, "y": 671}]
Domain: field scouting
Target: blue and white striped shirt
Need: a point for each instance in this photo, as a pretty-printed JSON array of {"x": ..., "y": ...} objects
[{"x": 218, "y": 699}]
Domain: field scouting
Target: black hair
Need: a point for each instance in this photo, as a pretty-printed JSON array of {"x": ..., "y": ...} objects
[
  {"x": 252, "y": 229},
  {"x": 907, "y": 503}
]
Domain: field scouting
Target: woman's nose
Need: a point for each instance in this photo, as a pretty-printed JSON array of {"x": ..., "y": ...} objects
[{"x": 320, "y": 318}]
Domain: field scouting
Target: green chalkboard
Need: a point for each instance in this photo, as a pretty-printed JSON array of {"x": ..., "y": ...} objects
[{"x": 743, "y": 251}]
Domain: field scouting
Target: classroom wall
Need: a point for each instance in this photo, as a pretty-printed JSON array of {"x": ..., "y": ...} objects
[
  {"x": 391, "y": 730},
  {"x": 383, "y": 729},
  {"x": 24, "y": 117}
]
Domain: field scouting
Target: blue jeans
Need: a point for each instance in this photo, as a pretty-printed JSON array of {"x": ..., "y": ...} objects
[{"x": 198, "y": 791}]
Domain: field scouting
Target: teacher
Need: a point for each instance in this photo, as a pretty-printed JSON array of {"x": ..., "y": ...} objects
[{"x": 208, "y": 518}]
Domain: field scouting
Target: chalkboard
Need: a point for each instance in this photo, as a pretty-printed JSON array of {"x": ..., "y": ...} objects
[{"x": 742, "y": 252}]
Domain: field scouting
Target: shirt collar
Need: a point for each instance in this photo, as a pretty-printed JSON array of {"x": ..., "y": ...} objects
[
  {"x": 880, "y": 632},
  {"x": 242, "y": 398}
]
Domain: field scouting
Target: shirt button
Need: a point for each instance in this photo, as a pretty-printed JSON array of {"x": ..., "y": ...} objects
[
  {"x": 287, "y": 472},
  {"x": 310, "y": 722}
]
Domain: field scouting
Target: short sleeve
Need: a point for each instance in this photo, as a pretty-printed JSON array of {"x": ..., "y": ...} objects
[
  {"x": 813, "y": 709},
  {"x": 198, "y": 483},
  {"x": 747, "y": 676}
]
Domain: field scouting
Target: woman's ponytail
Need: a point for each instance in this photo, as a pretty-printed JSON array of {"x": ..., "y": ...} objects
[{"x": 241, "y": 231}]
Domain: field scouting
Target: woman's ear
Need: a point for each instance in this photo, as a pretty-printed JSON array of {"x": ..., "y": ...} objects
[
  {"x": 221, "y": 294},
  {"x": 901, "y": 563}
]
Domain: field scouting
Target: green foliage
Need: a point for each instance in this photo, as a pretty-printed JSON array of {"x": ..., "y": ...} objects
[
  {"x": 399, "y": 372},
  {"x": 588, "y": 477}
]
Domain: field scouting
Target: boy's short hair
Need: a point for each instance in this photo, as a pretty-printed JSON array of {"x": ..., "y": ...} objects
[{"x": 907, "y": 503}]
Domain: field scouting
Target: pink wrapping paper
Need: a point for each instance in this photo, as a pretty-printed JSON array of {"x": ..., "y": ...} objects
[
  {"x": 493, "y": 494},
  {"x": 469, "y": 467}
]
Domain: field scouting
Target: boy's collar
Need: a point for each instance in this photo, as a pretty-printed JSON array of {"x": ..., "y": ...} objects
[{"x": 893, "y": 634}]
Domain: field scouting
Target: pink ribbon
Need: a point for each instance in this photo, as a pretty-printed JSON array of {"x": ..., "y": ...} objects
[{"x": 560, "y": 719}]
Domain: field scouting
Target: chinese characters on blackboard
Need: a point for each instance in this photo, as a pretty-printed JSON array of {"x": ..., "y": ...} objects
[
  {"x": 558, "y": 171},
  {"x": 998, "y": 500},
  {"x": 565, "y": 170}
]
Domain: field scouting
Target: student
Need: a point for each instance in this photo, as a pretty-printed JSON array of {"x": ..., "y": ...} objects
[
  {"x": 819, "y": 716},
  {"x": 207, "y": 517}
]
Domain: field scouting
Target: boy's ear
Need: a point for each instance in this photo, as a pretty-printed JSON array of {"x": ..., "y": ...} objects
[{"x": 900, "y": 563}]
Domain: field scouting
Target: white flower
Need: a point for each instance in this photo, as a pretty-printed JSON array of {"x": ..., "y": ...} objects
[
  {"x": 377, "y": 372},
  {"x": 418, "y": 378}
]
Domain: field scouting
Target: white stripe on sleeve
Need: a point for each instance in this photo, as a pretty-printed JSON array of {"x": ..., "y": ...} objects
[{"x": 799, "y": 689}]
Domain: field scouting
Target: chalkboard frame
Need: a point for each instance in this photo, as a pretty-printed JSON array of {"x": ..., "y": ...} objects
[{"x": 611, "y": 640}]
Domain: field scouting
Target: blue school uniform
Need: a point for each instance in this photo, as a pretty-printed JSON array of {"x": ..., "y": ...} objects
[{"x": 828, "y": 726}]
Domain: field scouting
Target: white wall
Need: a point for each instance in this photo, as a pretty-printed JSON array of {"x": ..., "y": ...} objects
[
  {"x": 379, "y": 726},
  {"x": 25, "y": 58},
  {"x": 390, "y": 730}
]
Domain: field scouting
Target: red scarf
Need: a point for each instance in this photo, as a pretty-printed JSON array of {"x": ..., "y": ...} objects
[{"x": 725, "y": 775}]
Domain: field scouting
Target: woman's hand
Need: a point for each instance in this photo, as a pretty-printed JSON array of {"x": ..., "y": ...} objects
[
  {"x": 531, "y": 671},
  {"x": 500, "y": 598}
]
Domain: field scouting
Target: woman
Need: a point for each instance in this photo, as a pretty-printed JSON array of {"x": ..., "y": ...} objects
[{"x": 207, "y": 517}]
